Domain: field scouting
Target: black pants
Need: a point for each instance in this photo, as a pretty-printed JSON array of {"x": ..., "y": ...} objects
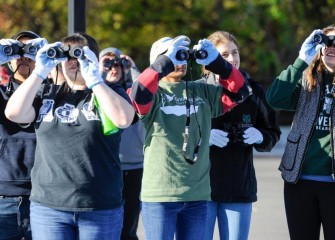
[
  {"x": 309, "y": 204},
  {"x": 132, "y": 206}
]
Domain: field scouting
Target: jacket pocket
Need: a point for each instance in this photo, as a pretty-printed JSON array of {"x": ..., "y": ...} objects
[{"x": 291, "y": 149}]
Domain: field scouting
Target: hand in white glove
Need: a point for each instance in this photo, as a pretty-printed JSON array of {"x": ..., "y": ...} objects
[
  {"x": 89, "y": 68},
  {"x": 179, "y": 43},
  {"x": 212, "y": 52},
  {"x": 252, "y": 135},
  {"x": 44, "y": 64},
  {"x": 218, "y": 138},
  {"x": 8, "y": 42},
  {"x": 38, "y": 43},
  {"x": 309, "y": 48}
]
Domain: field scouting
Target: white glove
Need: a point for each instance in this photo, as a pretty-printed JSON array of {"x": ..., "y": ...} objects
[
  {"x": 89, "y": 68},
  {"x": 44, "y": 64},
  {"x": 212, "y": 52},
  {"x": 3, "y": 57},
  {"x": 309, "y": 48},
  {"x": 218, "y": 138},
  {"x": 252, "y": 135},
  {"x": 38, "y": 43},
  {"x": 179, "y": 43}
]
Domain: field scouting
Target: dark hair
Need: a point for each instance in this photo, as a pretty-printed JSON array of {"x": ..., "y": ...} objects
[
  {"x": 82, "y": 39},
  {"x": 26, "y": 33},
  {"x": 316, "y": 66}
]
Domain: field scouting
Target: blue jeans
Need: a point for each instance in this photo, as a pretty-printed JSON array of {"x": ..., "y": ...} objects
[
  {"x": 51, "y": 224},
  {"x": 161, "y": 220},
  {"x": 233, "y": 220},
  {"x": 14, "y": 218}
]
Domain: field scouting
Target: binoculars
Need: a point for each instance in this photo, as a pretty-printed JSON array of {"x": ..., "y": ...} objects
[
  {"x": 322, "y": 38},
  {"x": 109, "y": 63},
  {"x": 20, "y": 49},
  {"x": 182, "y": 55},
  {"x": 67, "y": 51}
]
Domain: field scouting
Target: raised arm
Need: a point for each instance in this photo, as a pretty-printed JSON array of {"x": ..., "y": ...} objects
[{"x": 115, "y": 106}]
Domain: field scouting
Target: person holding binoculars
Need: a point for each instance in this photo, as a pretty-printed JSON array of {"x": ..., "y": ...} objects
[
  {"x": 18, "y": 141},
  {"x": 308, "y": 164},
  {"x": 234, "y": 135},
  {"x": 76, "y": 178},
  {"x": 117, "y": 68},
  {"x": 175, "y": 112}
]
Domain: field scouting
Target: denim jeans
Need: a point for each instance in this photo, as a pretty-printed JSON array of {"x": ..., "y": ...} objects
[
  {"x": 233, "y": 220},
  {"x": 161, "y": 220},
  {"x": 14, "y": 218},
  {"x": 51, "y": 224}
]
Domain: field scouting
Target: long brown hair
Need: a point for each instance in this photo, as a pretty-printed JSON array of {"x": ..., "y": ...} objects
[
  {"x": 220, "y": 37},
  {"x": 316, "y": 66}
]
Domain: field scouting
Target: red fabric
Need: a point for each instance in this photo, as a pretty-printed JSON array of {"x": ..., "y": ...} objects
[{"x": 4, "y": 75}]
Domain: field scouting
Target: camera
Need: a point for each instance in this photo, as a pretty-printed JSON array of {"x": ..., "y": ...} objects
[
  {"x": 61, "y": 52},
  {"x": 109, "y": 63},
  {"x": 235, "y": 131},
  {"x": 322, "y": 38},
  {"x": 19, "y": 49},
  {"x": 182, "y": 55}
]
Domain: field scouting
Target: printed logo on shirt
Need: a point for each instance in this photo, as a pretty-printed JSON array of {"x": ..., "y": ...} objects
[
  {"x": 67, "y": 113},
  {"x": 323, "y": 121},
  {"x": 177, "y": 106},
  {"x": 45, "y": 113},
  {"x": 246, "y": 119},
  {"x": 88, "y": 113}
]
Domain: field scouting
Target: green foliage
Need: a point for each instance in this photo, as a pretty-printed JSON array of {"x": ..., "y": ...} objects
[{"x": 270, "y": 32}]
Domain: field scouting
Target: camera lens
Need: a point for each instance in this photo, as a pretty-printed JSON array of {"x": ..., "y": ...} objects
[
  {"x": 317, "y": 38},
  {"x": 76, "y": 52},
  {"x": 107, "y": 63},
  {"x": 200, "y": 54},
  {"x": 125, "y": 62},
  {"x": 51, "y": 53},
  {"x": 32, "y": 50},
  {"x": 182, "y": 55},
  {"x": 8, "y": 50}
]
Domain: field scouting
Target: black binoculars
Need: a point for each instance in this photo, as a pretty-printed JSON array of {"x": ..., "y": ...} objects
[
  {"x": 235, "y": 131},
  {"x": 322, "y": 38},
  {"x": 67, "y": 51},
  {"x": 20, "y": 49},
  {"x": 109, "y": 63},
  {"x": 182, "y": 55}
]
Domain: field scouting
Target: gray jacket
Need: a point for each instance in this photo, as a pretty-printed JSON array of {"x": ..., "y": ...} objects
[{"x": 301, "y": 130}]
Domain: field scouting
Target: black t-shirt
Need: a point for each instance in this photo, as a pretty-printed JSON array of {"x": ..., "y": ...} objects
[
  {"x": 77, "y": 167},
  {"x": 17, "y": 144}
]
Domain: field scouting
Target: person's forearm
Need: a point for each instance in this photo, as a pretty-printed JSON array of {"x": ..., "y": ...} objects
[
  {"x": 20, "y": 105},
  {"x": 115, "y": 106}
]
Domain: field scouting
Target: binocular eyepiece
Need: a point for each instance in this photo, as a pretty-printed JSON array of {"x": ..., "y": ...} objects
[
  {"x": 190, "y": 54},
  {"x": 109, "y": 63},
  {"x": 20, "y": 49},
  {"x": 68, "y": 52},
  {"x": 322, "y": 38}
]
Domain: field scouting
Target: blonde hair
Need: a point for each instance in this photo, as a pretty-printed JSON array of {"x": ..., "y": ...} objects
[{"x": 316, "y": 66}]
